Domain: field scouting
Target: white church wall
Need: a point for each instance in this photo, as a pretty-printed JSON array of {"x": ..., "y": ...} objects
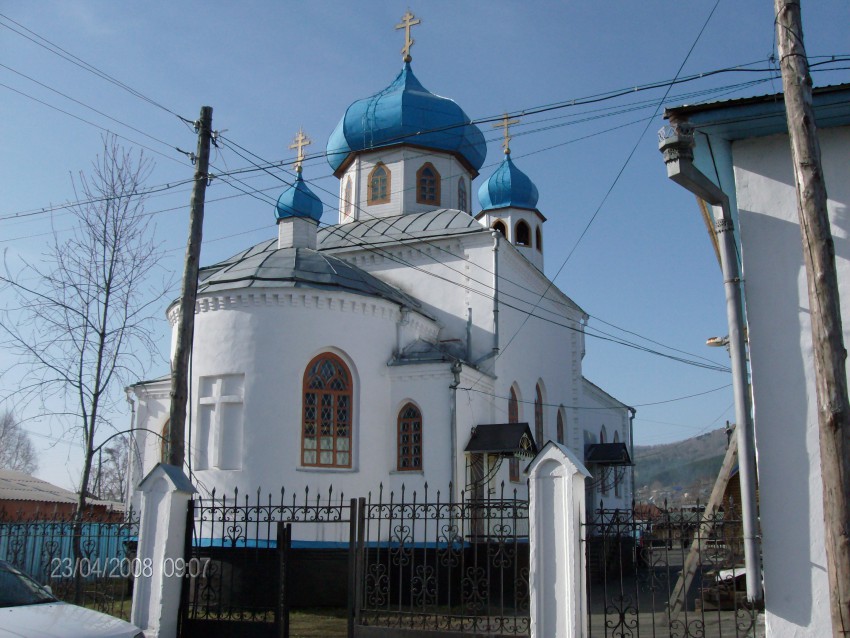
[
  {"x": 554, "y": 327},
  {"x": 427, "y": 387},
  {"x": 449, "y": 277},
  {"x": 781, "y": 357},
  {"x": 599, "y": 412},
  {"x": 252, "y": 350}
]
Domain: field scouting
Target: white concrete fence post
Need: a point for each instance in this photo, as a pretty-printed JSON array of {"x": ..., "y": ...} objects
[
  {"x": 557, "y": 561},
  {"x": 162, "y": 532}
]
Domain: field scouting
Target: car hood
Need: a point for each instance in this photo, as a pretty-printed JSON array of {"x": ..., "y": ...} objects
[{"x": 50, "y": 620}]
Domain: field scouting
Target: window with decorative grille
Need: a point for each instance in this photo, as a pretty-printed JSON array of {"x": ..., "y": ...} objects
[
  {"x": 409, "y": 438},
  {"x": 326, "y": 424}
]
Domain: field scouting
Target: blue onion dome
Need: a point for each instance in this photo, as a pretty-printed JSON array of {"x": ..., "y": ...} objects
[
  {"x": 298, "y": 201},
  {"x": 508, "y": 187},
  {"x": 406, "y": 113}
]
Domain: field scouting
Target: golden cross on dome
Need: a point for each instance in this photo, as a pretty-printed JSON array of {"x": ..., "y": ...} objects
[
  {"x": 506, "y": 123},
  {"x": 407, "y": 21},
  {"x": 300, "y": 142}
]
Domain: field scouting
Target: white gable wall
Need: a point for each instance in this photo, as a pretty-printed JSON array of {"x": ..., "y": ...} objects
[
  {"x": 785, "y": 406},
  {"x": 598, "y": 410}
]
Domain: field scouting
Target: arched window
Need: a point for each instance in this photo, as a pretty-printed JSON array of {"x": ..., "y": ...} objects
[
  {"x": 603, "y": 434},
  {"x": 501, "y": 228},
  {"x": 461, "y": 195},
  {"x": 326, "y": 424},
  {"x": 513, "y": 407},
  {"x": 165, "y": 443},
  {"x": 428, "y": 185},
  {"x": 538, "y": 416},
  {"x": 346, "y": 200},
  {"x": 522, "y": 234},
  {"x": 410, "y": 438},
  {"x": 560, "y": 426},
  {"x": 538, "y": 237},
  {"x": 379, "y": 184},
  {"x": 513, "y": 417}
]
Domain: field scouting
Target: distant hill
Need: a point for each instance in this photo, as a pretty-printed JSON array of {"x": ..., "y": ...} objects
[{"x": 681, "y": 472}]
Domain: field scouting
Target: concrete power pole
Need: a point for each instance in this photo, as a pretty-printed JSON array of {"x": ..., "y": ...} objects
[
  {"x": 188, "y": 293},
  {"x": 827, "y": 335}
]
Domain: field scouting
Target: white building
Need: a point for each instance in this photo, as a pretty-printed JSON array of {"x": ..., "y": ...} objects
[
  {"x": 742, "y": 146},
  {"x": 370, "y": 350}
]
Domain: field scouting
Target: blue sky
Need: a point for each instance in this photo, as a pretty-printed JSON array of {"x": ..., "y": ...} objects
[{"x": 644, "y": 264}]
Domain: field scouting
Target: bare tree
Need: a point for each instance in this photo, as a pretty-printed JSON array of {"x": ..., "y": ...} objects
[
  {"x": 16, "y": 449},
  {"x": 81, "y": 328},
  {"x": 113, "y": 464}
]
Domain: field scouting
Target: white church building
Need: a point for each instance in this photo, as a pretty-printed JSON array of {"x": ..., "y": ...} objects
[{"x": 411, "y": 341}]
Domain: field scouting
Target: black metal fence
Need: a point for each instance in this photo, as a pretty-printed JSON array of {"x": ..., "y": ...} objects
[
  {"x": 234, "y": 540},
  {"x": 667, "y": 572},
  {"x": 429, "y": 562},
  {"x": 398, "y": 561},
  {"x": 99, "y": 575}
]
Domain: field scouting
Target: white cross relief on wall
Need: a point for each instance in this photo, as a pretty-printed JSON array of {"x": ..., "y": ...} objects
[{"x": 219, "y": 431}]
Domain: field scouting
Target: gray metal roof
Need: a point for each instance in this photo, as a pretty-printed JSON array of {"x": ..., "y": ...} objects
[
  {"x": 400, "y": 228},
  {"x": 17, "y": 486},
  {"x": 761, "y": 115},
  {"x": 266, "y": 266}
]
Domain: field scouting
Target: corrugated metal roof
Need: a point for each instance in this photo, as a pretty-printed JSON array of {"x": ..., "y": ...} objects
[
  {"x": 17, "y": 486},
  {"x": 753, "y": 99}
]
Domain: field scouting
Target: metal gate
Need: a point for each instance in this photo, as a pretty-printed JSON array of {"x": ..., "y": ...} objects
[{"x": 240, "y": 557}]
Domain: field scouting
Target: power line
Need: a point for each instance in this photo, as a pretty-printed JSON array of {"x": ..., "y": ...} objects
[
  {"x": 90, "y": 123},
  {"x": 83, "y": 104},
  {"x": 314, "y": 157},
  {"x": 252, "y": 191},
  {"x": 388, "y": 255},
  {"x": 73, "y": 59},
  {"x": 619, "y": 173},
  {"x": 582, "y": 407}
]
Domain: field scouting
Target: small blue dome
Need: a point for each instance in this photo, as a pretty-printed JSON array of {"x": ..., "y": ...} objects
[
  {"x": 406, "y": 112},
  {"x": 508, "y": 187},
  {"x": 298, "y": 201}
]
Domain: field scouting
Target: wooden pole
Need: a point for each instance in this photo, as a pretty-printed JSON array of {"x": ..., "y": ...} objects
[
  {"x": 188, "y": 293},
  {"x": 827, "y": 335},
  {"x": 703, "y": 531}
]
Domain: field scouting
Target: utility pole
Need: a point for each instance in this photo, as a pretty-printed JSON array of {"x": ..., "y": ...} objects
[
  {"x": 188, "y": 293},
  {"x": 827, "y": 336}
]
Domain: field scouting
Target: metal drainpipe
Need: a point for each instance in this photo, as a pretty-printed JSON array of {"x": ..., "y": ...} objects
[
  {"x": 678, "y": 156},
  {"x": 456, "y": 368}
]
